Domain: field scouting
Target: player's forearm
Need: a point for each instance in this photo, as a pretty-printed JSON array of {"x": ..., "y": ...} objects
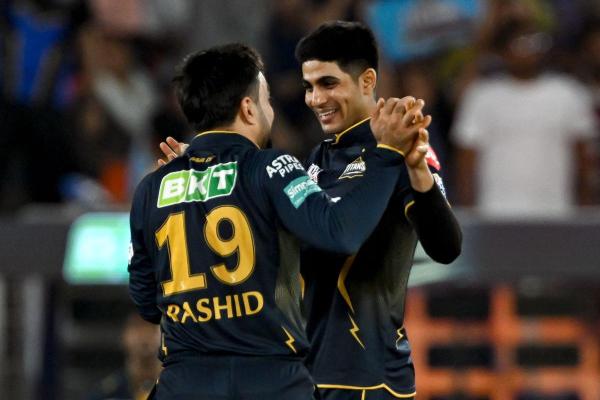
[
  {"x": 421, "y": 179},
  {"x": 436, "y": 226},
  {"x": 142, "y": 288},
  {"x": 145, "y": 302}
]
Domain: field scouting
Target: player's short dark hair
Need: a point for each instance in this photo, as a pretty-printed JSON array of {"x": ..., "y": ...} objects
[
  {"x": 210, "y": 84},
  {"x": 351, "y": 45}
]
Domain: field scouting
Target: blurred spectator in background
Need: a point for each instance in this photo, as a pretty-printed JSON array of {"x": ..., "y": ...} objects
[
  {"x": 118, "y": 101},
  {"x": 80, "y": 122},
  {"x": 140, "y": 342},
  {"x": 424, "y": 42},
  {"x": 37, "y": 68},
  {"x": 589, "y": 67},
  {"x": 524, "y": 136}
]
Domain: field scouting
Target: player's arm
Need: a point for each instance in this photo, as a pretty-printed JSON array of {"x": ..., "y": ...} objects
[
  {"x": 342, "y": 226},
  {"x": 429, "y": 212},
  {"x": 310, "y": 214},
  {"x": 142, "y": 279}
]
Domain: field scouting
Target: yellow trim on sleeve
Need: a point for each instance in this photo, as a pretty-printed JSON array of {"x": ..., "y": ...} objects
[
  {"x": 364, "y": 388},
  {"x": 409, "y": 205},
  {"x": 339, "y": 135},
  {"x": 385, "y": 146}
]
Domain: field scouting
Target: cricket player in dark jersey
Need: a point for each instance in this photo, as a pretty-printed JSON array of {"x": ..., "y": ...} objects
[
  {"x": 214, "y": 259},
  {"x": 355, "y": 304}
]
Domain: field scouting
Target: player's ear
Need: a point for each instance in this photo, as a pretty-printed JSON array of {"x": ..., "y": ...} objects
[
  {"x": 248, "y": 110},
  {"x": 368, "y": 80}
]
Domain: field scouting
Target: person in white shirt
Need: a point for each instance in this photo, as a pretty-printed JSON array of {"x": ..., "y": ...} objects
[{"x": 523, "y": 138}]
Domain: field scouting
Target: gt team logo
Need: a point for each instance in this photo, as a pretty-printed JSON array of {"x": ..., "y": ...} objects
[
  {"x": 355, "y": 169},
  {"x": 299, "y": 189},
  {"x": 191, "y": 185}
]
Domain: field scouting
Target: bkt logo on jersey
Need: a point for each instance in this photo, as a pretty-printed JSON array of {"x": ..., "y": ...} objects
[{"x": 191, "y": 185}]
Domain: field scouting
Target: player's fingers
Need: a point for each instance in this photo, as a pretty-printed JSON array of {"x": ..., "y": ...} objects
[
  {"x": 174, "y": 144},
  {"x": 423, "y": 136},
  {"x": 409, "y": 117},
  {"x": 408, "y": 102},
  {"x": 400, "y": 108},
  {"x": 161, "y": 162},
  {"x": 423, "y": 142},
  {"x": 378, "y": 109},
  {"x": 166, "y": 149},
  {"x": 171, "y": 156},
  {"x": 426, "y": 121},
  {"x": 389, "y": 105}
]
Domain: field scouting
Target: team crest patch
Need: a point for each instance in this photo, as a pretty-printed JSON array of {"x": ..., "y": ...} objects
[
  {"x": 355, "y": 169},
  {"x": 299, "y": 189},
  {"x": 313, "y": 171},
  {"x": 190, "y": 185}
]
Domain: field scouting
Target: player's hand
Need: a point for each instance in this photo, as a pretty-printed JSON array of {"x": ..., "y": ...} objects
[
  {"x": 172, "y": 149},
  {"x": 419, "y": 174},
  {"x": 415, "y": 158},
  {"x": 396, "y": 122}
]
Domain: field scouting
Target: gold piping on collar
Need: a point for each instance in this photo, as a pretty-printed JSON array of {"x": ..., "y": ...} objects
[
  {"x": 229, "y": 132},
  {"x": 339, "y": 135}
]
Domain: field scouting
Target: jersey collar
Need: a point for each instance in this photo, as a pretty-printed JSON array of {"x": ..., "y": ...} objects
[
  {"x": 359, "y": 133},
  {"x": 208, "y": 138}
]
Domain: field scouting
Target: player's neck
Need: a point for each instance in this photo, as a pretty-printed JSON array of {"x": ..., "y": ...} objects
[{"x": 250, "y": 132}]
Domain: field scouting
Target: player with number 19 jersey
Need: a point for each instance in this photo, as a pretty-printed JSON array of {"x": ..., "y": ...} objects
[{"x": 215, "y": 260}]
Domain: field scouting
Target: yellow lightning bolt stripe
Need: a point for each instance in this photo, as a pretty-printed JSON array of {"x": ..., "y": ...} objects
[
  {"x": 290, "y": 340},
  {"x": 164, "y": 348},
  {"x": 353, "y": 331},
  {"x": 341, "y": 283},
  {"x": 400, "y": 335}
]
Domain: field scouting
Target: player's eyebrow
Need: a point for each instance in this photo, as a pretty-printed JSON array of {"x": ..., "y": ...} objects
[{"x": 322, "y": 81}]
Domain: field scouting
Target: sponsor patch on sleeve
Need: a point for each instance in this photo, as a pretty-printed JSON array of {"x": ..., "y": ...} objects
[
  {"x": 283, "y": 165},
  {"x": 299, "y": 189},
  {"x": 440, "y": 182}
]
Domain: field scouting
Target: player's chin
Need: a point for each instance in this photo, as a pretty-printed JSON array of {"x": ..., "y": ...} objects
[{"x": 331, "y": 128}]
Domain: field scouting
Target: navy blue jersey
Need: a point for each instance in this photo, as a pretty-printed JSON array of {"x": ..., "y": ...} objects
[
  {"x": 355, "y": 304},
  {"x": 214, "y": 256}
]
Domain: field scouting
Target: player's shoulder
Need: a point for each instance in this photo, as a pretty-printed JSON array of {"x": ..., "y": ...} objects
[{"x": 153, "y": 179}]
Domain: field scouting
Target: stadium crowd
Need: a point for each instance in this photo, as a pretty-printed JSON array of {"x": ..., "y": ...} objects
[{"x": 86, "y": 91}]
